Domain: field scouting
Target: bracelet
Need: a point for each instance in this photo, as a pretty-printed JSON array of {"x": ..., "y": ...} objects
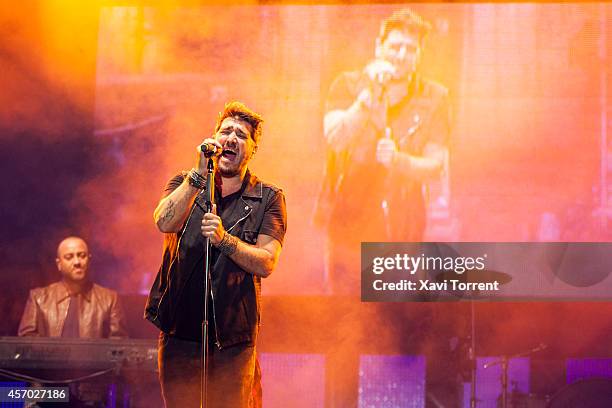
[
  {"x": 196, "y": 179},
  {"x": 228, "y": 244}
]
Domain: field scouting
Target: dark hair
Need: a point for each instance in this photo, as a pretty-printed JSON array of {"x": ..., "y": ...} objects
[
  {"x": 407, "y": 21},
  {"x": 240, "y": 111}
]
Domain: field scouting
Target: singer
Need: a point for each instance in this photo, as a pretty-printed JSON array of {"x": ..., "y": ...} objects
[
  {"x": 246, "y": 228},
  {"x": 386, "y": 129}
]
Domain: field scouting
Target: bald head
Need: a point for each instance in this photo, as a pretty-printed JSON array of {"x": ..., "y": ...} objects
[
  {"x": 71, "y": 242},
  {"x": 73, "y": 259}
]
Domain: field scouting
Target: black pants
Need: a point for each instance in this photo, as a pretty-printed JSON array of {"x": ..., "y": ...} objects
[{"x": 230, "y": 374}]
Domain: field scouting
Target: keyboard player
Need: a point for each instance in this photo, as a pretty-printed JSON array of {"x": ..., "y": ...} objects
[{"x": 74, "y": 306}]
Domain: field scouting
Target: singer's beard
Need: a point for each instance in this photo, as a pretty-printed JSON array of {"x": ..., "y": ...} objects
[
  {"x": 228, "y": 173},
  {"x": 231, "y": 170},
  {"x": 405, "y": 77},
  {"x": 404, "y": 70}
]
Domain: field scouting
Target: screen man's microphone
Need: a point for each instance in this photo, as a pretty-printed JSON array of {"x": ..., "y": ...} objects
[
  {"x": 210, "y": 149},
  {"x": 383, "y": 77}
]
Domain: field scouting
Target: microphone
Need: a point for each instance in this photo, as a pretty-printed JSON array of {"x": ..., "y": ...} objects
[
  {"x": 383, "y": 77},
  {"x": 210, "y": 149}
]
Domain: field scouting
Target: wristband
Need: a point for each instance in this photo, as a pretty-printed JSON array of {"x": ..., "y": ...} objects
[
  {"x": 196, "y": 179},
  {"x": 228, "y": 244}
]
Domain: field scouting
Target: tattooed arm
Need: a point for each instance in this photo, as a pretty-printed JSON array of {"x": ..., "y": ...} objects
[{"x": 173, "y": 209}]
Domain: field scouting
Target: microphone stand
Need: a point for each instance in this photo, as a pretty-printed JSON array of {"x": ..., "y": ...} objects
[
  {"x": 504, "y": 361},
  {"x": 210, "y": 198},
  {"x": 472, "y": 353},
  {"x": 384, "y": 204}
]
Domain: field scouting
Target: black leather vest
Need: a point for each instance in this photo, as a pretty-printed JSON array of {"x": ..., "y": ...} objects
[{"x": 236, "y": 293}]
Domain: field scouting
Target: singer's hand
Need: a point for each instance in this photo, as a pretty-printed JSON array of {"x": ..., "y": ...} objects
[
  {"x": 373, "y": 97},
  {"x": 201, "y": 160},
  {"x": 380, "y": 71},
  {"x": 212, "y": 227},
  {"x": 385, "y": 152}
]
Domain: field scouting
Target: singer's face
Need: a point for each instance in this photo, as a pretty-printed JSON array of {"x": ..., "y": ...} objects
[
  {"x": 402, "y": 50},
  {"x": 73, "y": 259},
  {"x": 236, "y": 138}
]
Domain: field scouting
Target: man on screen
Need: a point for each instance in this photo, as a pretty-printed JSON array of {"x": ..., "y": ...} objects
[
  {"x": 246, "y": 229},
  {"x": 386, "y": 129}
]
